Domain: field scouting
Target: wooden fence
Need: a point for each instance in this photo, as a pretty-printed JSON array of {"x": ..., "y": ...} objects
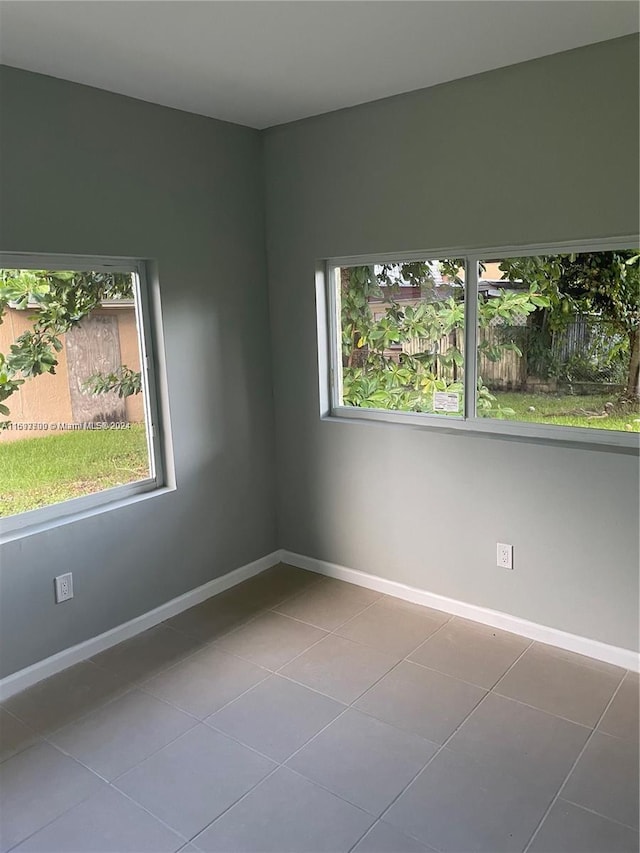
[{"x": 511, "y": 371}]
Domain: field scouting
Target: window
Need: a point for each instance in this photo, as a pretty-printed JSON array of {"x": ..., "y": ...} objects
[
  {"x": 401, "y": 336},
  {"x": 78, "y": 413},
  {"x": 542, "y": 343}
]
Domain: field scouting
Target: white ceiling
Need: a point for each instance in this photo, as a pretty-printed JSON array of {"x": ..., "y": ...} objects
[{"x": 264, "y": 63}]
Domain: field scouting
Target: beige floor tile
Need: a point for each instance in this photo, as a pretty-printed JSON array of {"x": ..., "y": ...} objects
[
  {"x": 582, "y": 660},
  {"x": 339, "y": 668},
  {"x": 191, "y": 717},
  {"x": 64, "y": 697},
  {"x": 123, "y": 733},
  {"x": 36, "y": 786},
  {"x": 205, "y": 682},
  {"x": 475, "y": 653},
  {"x": 216, "y": 616},
  {"x": 329, "y": 603},
  {"x": 571, "y": 829},
  {"x": 520, "y": 739},
  {"x": 460, "y": 804},
  {"x": 605, "y": 780},
  {"x": 363, "y": 760},
  {"x": 14, "y": 735},
  {"x": 148, "y": 653},
  {"x": 277, "y": 717},
  {"x": 420, "y": 700},
  {"x": 384, "y": 838},
  {"x": 560, "y": 685},
  {"x": 622, "y": 717},
  {"x": 107, "y": 822},
  {"x": 194, "y": 779},
  {"x": 391, "y": 628},
  {"x": 276, "y": 585},
  {"x": 270, "y": 640},
  {"x": 286, "y": 814}
]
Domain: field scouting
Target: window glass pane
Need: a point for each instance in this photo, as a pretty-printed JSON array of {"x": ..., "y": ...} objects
[
  {"x": 72, "y": 400},
  {"x": 558, "y": 339},
  {"x": 401, "y": 334}
]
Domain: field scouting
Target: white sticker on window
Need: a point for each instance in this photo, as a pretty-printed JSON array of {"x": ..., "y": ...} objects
[{"x": 446, "y": 401}]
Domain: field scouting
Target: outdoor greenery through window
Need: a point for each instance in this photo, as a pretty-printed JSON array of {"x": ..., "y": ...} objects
[
  {"x": 74, "y": 408},
  {"x": 402, "y": 327},
  {"x": 567, "y": 349},
  {"x": 556, "y": 338}
]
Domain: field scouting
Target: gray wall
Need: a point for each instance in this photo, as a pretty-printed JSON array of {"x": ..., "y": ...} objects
[
  {"x": 543, "y": 151},
  {"x": 88, "y": 172}
]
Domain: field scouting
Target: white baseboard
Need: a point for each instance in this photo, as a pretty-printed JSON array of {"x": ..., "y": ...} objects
[
  {"x": 24, "y": 678},
  {"x": 625, "y": 658}
]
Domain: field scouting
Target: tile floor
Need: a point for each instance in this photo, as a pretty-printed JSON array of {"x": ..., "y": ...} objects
[{"x": 298, "y": 713}]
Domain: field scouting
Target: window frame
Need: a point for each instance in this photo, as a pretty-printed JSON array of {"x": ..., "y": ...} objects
[
  {"x": 148, "y": 322},
  {"x": 330, "y": 352}
]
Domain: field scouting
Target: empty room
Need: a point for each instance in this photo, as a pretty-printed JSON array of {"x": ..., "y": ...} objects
[{"x": 319, "y": 426}]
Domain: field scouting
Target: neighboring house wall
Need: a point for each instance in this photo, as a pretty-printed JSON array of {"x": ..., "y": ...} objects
[{"x": 60, "y": 398}]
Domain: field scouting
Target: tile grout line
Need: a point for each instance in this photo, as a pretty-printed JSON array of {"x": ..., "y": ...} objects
[
  {"x": 331, "y": 630},
  {"x": 284, "y": 764},
  {"x": 397, "y": 728},
  {"x": 278, "y": 764},
  {"x": 261, "y": 611},
  {"x": 234, "y": 803},
  {"x": 351, "y": 706},
  {"x": 37, "y": 737},
  {"x": 49, "y": 822},
  {"x": 542, "y": 710},
  {"x": 138, "y": 685},
  {"x": 333, "y": 633},
  {"x": 573, "y": 767},
  {"x": 445, "y": 742},
  {"x": 272, "y": 609},
  {"x": 106, "y": 782},
  {"x": 151, "y": 814},
  {"x": 124, "y": 772},
  {"x": 129, "y": 687},
  {"x": 599, "y": 814},
  {"x": 278, "y": 673}
]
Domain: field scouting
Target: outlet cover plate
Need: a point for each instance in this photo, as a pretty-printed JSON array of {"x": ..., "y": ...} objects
[
  {"x": 504, "y": 555},
  {"x": 64, "y": 587}
]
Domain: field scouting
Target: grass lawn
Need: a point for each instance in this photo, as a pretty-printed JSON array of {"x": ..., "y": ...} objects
[
  {"x": 35, "y": 472},
  {"x": 569, "y": 411}
]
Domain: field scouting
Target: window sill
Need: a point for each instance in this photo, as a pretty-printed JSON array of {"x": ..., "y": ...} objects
[
  {"x": 46, "y": 518},
  {"x": 596, "y": 439}
]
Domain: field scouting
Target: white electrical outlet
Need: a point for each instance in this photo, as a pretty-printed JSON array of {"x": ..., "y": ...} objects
[
  {"x": 505, "y": 556},
  {"x": 64, "y": 587}
]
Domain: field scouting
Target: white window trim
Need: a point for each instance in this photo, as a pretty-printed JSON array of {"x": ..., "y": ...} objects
[
  {"x": 148, "y": 320},
  {"x": 329, "y": 352}
]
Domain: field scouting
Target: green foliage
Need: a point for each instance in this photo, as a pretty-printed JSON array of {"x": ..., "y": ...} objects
[
  {"x": 124, "y": 380},
  {"x": 8, "y": 385},
  {"x": 60, "y": 300},
  {"x": 606, "y": 284},
  {"x": 411, "y": 347},
  {"x": 378, "y": 371}
]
